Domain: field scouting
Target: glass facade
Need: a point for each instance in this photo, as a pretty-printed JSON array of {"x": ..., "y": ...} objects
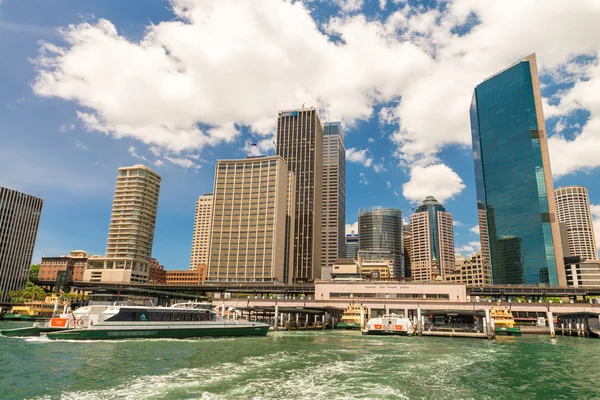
[
  {"x": 380, "y": 233},
  {"x": 511, "y": 177}
]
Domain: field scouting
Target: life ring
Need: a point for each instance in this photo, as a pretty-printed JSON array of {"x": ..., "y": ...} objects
[
  {"x": 80, "y": 322},
  {"x": 72, "y": 323}
]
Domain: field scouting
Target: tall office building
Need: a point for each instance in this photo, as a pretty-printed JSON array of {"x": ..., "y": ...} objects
[
  {"x": 432, "y": 241},
  {"x": 300, "y": 144},
  {"x": 573, "y": 209},
  {"x": 351, "y": 246},
  {"x": 515, "y": 192},
  {"x": 19, "y": 220},
  {"x": 201, "y": 238},
  {"x": 131, "y": 230},
  {"x": 334, "y": 194},
  {"x": 248, "y": 234},
  {"x": 380, "y": 233},
  {"x": 407, "y": 240}
]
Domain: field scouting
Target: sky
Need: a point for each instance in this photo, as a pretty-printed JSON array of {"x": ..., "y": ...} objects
[{"x": 88, "y": 86}]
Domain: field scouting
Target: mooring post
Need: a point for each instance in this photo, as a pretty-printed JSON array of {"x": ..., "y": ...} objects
[
  {"x": 276, "y": 321},
  {"x": 297, "y": 320},
  {"x": 323, "y": 321},
  {"x": 223, "y": 310},
  {"x": 488, "y": 323},
  {"x": 419, "y": 323},
  {"x": 362, "y": 318},
  {"x": 551, "y": 324}
]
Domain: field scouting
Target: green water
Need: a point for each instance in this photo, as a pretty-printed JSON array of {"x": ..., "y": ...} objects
[{"x": 301, "y": 365}]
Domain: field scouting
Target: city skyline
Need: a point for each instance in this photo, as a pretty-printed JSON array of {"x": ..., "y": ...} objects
[{"x": 412, "y": 157}]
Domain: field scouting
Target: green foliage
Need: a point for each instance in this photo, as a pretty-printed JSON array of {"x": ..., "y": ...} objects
[
  {"x": 31, "y": 292},
  {"x": 34, "y": 272}
]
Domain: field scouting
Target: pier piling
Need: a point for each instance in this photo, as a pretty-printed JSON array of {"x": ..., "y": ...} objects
[
  {"x": 551, "y": 324},
  {"x": 276, "y": 321}
]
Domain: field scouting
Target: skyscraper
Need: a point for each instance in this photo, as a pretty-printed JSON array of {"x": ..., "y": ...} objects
[
  {"x": 515, "y": 192},
  {"x": 201, "y": 238},
  {"x": 19, "y": 219},
  {"x": 432, "y": 241},
  {"x": 300, "y": 144},
  {"x": 380, "y": 233},
  {"x": 248, "y": 233},
  {"x": 131, "y": 231},
  {"x": 334, "y": 194},
  {"x": 351, "y": 246},
  {"x": 573, "y": 209}
]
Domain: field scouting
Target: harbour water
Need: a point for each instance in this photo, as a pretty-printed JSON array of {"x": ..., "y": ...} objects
[{"x": 301, "y": 365}]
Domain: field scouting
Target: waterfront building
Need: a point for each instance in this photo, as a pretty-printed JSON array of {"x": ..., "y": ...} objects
[
  {"x": 582, "y": 273},
  {"x": 471, "y": 271},
  {"x": 515, "y": 192},
  {"x": 573, "y": 210},
  {"x": 75, "y": 263},
  {"x": 250, "y": 210},
  {"x": 201, "y": 237},
  {"x": 352, "y": 246},
  {"x": 380, "y": 232},
  {"x": 19, "y": 220},
  {"x": 300, "y": 144},
  {"x": 186, "y": 277},
  {"x": 156, "y": 272},
  {"x": 334, "y": 194},
  {"x": 131, "y": 231},
  {"x": 432, "y": 241}
]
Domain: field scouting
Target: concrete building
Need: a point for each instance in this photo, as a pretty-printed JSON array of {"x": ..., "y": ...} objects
[
  {"x": 573, "y": 209},
  {"x": 334, "y": 194},
  {"x": 131, "y": 231},
  {"x": 300, "y": 144},
  {"x": 514, "y": 187},
  {"x": 471, "y": 271},
  {"x": 380, "y": 232},
  {"x": 375, "y": 270},
  {"x": 202, "y": 224},
  {"x": 75, "y": 262},
  {"x": 156, "y": 272},
  {"x": 19, "y": 219},
  {"x": 187, "y": 277},
  {"x": 352, "y": 246},
  {"x": 250, "y": 209},
  {"x": 432, "y": 241},
  {"x": 582, "y": 273},
  {"x": 346, "y": 269}
]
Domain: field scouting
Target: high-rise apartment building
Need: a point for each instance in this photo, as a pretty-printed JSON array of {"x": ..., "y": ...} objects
[
  {"x": 131, "y": 230},
  {"x": 202, "y": 224},
  {"x": 432, "y": 241},
  {"x": 19, "y": 219},
  {"x": 351, "y": 246},
  {"x": 380, "y": 233},
  {"x": 300, "y": 144},
  {"x": 334, "y": 194},
  {"x": 515, "y": 192},
  {"x": 573, "y": 209},
  {"x": 250, "y": 209}
]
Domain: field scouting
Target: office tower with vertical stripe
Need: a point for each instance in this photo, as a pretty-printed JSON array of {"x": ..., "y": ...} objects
[
  {"x": 573, "y": 209},
  {"x": 300, "y": 144},
  {"x": 201, "y": 237},
  {"x": 19, "y": 219},
  {"x": 380, "y": 237},
  {"x": 334, "y": 194},
  {"x": 248, "y": 233}
]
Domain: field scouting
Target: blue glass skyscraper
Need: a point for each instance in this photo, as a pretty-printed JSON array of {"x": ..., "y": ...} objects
[{"x": 515, "y": 193}]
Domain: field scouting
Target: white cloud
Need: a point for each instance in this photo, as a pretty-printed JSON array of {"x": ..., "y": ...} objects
[
  {"x": 436, "y": 180},
  {"x": 596, "y": 220},
  {"x": 388, "y": 184},
  {"x": 475, "y": 229},
  {"x": 379, "y": 167},
  {"x": 359, "y": 156},
  {"x": 371, "y": 140},
  {"x": 133, "y": 152},
  {"x": 353, "y": 227},
  {"x": 195, "y": 80},
  {"x": 182, "y": 162},
  {"x": 80, "y": 145},
  {"x": 468, "y": 249},
  {"x": 456, "y": 223},
  {"x": 259, "y": 147},
  {"x": 396, "y": 193},
  {"x": 363, "y": 179}
]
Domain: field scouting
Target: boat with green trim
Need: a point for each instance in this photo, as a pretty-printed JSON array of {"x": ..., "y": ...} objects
[
  {"x": 36, "y": 309},
  {"x": 180, "y": 321},
  {"x": 351, "y": 318},
  {"x": 504, "y": 322}
]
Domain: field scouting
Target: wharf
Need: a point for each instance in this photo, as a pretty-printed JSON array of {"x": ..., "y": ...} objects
[{"x": 455, "y": 333}]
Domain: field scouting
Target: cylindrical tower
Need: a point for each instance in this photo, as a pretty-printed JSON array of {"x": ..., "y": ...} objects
[
  {"x": 573, "y": 209},
  {"x": 380, "y": 233}
]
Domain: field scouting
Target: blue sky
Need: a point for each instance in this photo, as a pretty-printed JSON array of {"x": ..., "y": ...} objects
[{"x": 88, "y": 86}]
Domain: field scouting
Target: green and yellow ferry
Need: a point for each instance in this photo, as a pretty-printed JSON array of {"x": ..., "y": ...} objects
[
  {"x": 183, "y": 320},
  {"x": 504, "y": 322},
  {"x": 351, "y": 317}
]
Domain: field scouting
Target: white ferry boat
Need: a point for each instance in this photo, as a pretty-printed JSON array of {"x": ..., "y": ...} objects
[
  {"x": 183, "y": 320},
  {"x": 389, "y": 325}
]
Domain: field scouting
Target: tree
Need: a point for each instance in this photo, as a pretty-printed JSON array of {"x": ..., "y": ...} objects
[{"x": 34, "y": 272}]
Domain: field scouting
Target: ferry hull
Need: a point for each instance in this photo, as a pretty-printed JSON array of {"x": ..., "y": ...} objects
[
  {"x": 29, "y": 331},
  {"x": 508, "y": 331},
  {"x": 172, "y": 333},
  {"x": 347, "y": 325},
  {"x": 387, "y": 332}
]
